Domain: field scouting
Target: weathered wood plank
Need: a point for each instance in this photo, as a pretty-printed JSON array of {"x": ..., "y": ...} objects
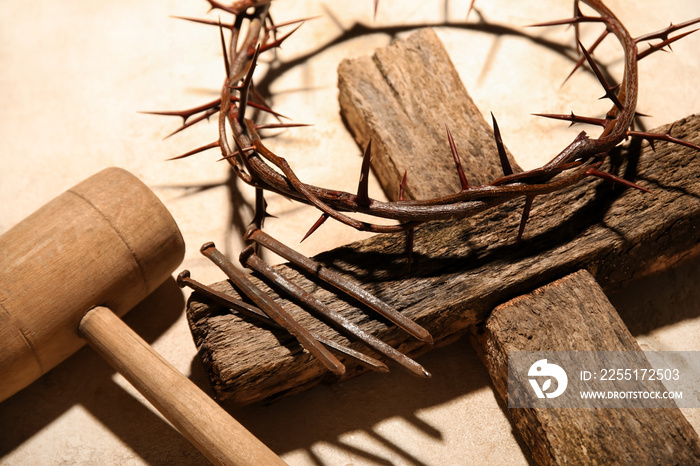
[
  {"x": 573, "y": 314},
  {"x": 404, "y": 113}
]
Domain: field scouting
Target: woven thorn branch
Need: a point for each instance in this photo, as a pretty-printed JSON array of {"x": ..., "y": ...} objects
[{"x": 241, "y": 143}]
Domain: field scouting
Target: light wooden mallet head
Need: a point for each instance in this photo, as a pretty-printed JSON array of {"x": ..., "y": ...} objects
[
  {"x": 70, "y": 269},
  {"x": 107, "y": 241}
]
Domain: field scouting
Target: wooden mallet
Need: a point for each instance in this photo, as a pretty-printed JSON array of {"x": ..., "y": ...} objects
[{"x": 67, "y": 274}]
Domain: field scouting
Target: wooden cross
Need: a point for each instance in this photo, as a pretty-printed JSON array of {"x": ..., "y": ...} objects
[{"x": 547, "y": 290}]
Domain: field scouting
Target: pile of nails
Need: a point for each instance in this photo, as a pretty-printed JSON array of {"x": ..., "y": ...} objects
[{"x": 265, "y": 310}]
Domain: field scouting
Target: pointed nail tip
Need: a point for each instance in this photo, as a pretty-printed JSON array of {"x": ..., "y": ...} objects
[
  {"x": 422, "y": 334},
  {"x": 415, "y": 368},
  {"x": 338, "y": 369}
]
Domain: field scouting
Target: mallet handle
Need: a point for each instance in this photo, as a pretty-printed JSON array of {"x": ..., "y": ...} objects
[{"x": 215, "y": 433}]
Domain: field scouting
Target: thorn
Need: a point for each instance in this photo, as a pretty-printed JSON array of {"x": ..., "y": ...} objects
[
  {"x": 614, "y": 179},
  {"x": 362, "y": 198},
  {"x": 458, "y": 163},
  {"x": 471, "y": 7},
  {"x": 609, "y": 91},
  {"x": 315, "y": 226},
  {"x": 410, "y": 233},
  {"x": 656, "y": 47},
  {"x": 402, "y": 186},
  {"x": 202, "y": 21},
  {"x": 260, "y": 208},
  {"x": 573, "y": 118},
  {"x": 505, "y": 164},
  {"x": 194, "y": 121},
  {"x": 278, "y": 42},
  {"x": 577, "y": 9},
  {"x": 263, "y": 108},
  {"x": 664, "y": 33},
  {"x": 577, "y": 26},
  {"x": 524, "y": 218},
  {"x": 245, "y": 88},
  {"x": 376, "y": 7},
  {"x": 230, "y": 156},
  {"x": 558, "y": 22},
  {"x": 295, "y": 21},
  {"x": 568, "y": 21},
  {"x": 213, "y": 4},
  {"x": 227, "y": 66},
  {"x": 281, "y": 125},
  {"x": 211, "y": 145},
  {"x": 650, "y": 137},
  {"x": 185, "y": 114},
  {"x": 582, "y": 59},
  {"x": 410, "y": 236},
  {"x": 237, "y": 153}
]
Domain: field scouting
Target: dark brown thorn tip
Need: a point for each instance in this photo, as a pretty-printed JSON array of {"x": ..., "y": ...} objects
[
  {"x": 260, "y": 208},
  {"x": 294, "y": 21},
  {"x": 194, "y": 121},
  {"x": 664, "y": 33},
  {"x": 651, "y": 137},
  {"x": 458, "y": 163},
  {"x": 362, "y": 198},
  {"x": 211, "y": 145},
  {"x": 609, "y": 90},
  {"x": 410, "y": 237},
  {"x": 505, "y": 164},
  {"x": 278, "y": 42},
  {"x": 524, "y": 218},
  {"x": 227, "y": 65},
  {"x": 214, "y": 5},
  {"x": 281, "y": 125},
  {"x": 402, "y": 186},
  {"x": 245, "y": 88},
  {"x": 582, "y": 58},
  {"x": 321, "y": 220},
  {"x": 185, "y": 114},
  {"x": 614, "y": 179},
  {"x": 568, "y": 21},
  {"x": 202, "y": 21},
  {"x": 469, "y": 10},
  {"x": 573, "y": 118},
  {"x": 660, "y": 46},
  {"x": 263, "y": 108}
]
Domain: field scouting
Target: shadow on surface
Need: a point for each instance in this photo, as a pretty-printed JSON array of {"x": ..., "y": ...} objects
[{"x": 87, "y": 380}]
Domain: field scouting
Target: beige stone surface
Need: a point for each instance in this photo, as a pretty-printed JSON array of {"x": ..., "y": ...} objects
[{"x": 74, "y": 76}]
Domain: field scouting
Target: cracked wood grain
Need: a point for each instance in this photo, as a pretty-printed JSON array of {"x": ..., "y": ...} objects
[
  {"x": 405, "y": 113},
  {"x": 573, "y": 314}
]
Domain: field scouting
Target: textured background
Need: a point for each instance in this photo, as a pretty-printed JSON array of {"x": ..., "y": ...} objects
[{"x": 75, "y": 74}]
